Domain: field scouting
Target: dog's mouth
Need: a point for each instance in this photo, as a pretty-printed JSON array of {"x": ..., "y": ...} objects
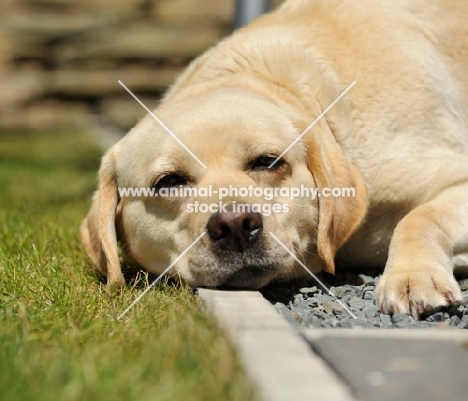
[{"x": 249, "y": 270}]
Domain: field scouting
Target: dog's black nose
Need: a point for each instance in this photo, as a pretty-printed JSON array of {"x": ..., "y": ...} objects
[{"x": 234, "y": 231}]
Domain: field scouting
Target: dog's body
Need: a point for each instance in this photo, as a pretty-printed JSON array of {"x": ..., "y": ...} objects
[{"x": 399, "y": 136}]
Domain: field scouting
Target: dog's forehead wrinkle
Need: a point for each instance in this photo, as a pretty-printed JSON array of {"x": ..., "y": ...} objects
[
  {"x": 217, "y": 100},
  {"x": 222, "y": 105},
  {"x": 240, "y": 147}
]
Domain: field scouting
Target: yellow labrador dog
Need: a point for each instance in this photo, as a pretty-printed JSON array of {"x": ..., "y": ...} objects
[{"x": 399, "y": 138}]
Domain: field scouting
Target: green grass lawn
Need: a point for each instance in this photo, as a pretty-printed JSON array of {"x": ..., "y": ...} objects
[{"x": 59, "y": 337}]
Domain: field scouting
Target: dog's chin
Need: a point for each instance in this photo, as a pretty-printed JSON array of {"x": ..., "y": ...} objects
[
  {"x": 252, "y": 269},
  {"x": 248, "y": 278}
]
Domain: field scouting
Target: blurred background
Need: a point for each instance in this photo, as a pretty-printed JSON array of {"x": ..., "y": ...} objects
[{"x": 60, "y": 60}]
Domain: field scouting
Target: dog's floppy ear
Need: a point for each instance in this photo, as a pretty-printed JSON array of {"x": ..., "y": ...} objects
[
  {"x": 98, "y": 232},
  {"x": 340, "y": 216}
]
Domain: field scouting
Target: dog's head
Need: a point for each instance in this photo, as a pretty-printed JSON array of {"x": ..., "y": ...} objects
[{"x": 237, "y": 135}]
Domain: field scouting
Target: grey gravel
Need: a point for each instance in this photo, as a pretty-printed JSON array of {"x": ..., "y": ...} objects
[{"x": 315, "y": 308}]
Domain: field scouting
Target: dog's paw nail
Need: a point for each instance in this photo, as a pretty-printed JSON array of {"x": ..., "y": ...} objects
[
  {"x": 417, "y": 308},
  {"x": 421, "y": 307},
  {"x": 450, "y": 298}
]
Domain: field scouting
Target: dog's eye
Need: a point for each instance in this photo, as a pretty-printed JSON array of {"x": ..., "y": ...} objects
[
  {"x": 263, "y": 163},
  {"x": 171, "y": 180}
]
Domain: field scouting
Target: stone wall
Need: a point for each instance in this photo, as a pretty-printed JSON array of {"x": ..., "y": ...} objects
[{"x": 60, "y": 60}]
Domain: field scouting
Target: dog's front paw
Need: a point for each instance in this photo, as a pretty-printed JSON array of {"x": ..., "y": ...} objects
[{"x": 415, "y": 292}]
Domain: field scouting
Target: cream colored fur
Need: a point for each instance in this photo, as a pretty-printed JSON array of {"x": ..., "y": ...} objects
[{"x": 400, "y": 136}]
